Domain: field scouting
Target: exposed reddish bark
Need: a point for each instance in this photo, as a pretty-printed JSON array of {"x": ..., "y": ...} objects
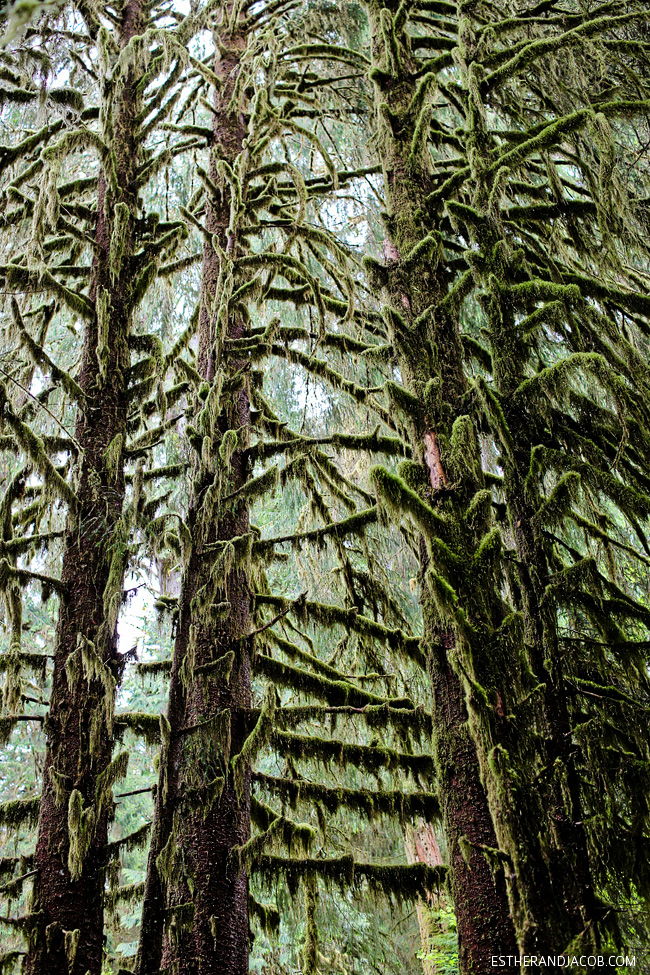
[
  {"x": 78, "y": 707},
  {"x": 433, "y": 462},
  {"x": 421, "y": 846}
]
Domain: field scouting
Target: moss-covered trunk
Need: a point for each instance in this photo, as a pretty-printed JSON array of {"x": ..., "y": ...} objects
[
  {"x": 424, "y": 334},
  {"x": 552, "y": 889},
  {"x": 76, "y": 803},
  {"x": 195, "y": 915},
  {"x": 480, "y": 901},
  {"x": 520, "y": 719}
]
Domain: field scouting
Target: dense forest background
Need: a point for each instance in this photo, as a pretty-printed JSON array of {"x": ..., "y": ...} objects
[{"x": 325, "y": 466}]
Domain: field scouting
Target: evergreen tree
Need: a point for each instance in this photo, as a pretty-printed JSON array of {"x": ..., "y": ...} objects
[
  {"x": 89, "y": 250},
  {"x": 523, "y": 224},
  {"x": 203, "y": 811},
  {"x": 500, "y": 356},
  {"x": 425, "y": 340}
]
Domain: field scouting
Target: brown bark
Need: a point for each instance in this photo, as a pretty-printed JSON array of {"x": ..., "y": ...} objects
[
  {"x": 432, "y": 350},
  {"x": 79, "y": 737},
  {"x": 437, "y": 477},
  {"x": 480, "y": 900},
  {"x": 194, "y": 832}
]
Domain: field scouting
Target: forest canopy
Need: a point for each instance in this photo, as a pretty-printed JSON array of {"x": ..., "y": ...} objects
[{"x": 324, "y": 486}]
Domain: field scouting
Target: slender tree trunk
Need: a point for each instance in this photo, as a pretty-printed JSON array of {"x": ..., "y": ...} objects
[
  {"x": 421, "y": 846},
  {"x": 195, "y": 912},
  {"x": 76, "y": 801}
]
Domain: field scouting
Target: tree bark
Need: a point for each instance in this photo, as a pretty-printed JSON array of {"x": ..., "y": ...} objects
[
  {"x": 432, "y": 350},
  {"x": 421, "y": 846},
  {"x": 479, "y": 894},
  {"x": 199, "y": 819},
  {"x": 69, "y": 889}
]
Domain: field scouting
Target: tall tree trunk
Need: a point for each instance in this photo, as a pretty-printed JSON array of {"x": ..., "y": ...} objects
[
  {"x": 528, "y": 764},
  {"x": 480, "y": 900},
  {"x": 195, "y": 912},
  {"x": 430, "y": 357},
  {"x": 76, "y": 800}
]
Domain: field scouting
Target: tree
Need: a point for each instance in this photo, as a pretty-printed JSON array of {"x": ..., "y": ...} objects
[
  {"x": 193, "y": 919},
  {"x": 98, "y": 219},
  {"x": 509, "y": 127}
]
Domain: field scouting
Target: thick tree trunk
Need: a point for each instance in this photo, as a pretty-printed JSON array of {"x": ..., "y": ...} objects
[
  {"x": 202, "y": 812},
  {"x": 75, "y": 806},
  {"x": 480, "y": 900},
  {"x": 430, "y": 359}
]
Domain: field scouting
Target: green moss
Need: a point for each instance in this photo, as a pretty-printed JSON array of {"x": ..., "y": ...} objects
[
  {"x": 371, "y": 804},
  {"x": 369, "y": 758},
  {"x": 398, "y": 500},
  {"x": 255, "y": 741},
  {"x": 281, "y": 831},
  {"x": 404, "y": 883},
  {"x": 17, "y": 814},
  {"x": 266, "y": 916},
  {"x": 119, "y": 238},
  {"x": 141, "y": 723},
  {"x": 81, "y": 830}
]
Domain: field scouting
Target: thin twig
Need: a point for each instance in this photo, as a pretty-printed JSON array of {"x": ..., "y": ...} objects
[{"x": 43, "y": 407}]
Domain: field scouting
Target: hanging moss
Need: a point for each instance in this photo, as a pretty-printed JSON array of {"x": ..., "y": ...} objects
[
  {"x": 179, "y": 920},
  {"x": 133, "y": 841},
  {"x": 117, "y": 548},
  {"x": 373, "y": 759},
  {"x": 41, "y": 358},
  {"x": 339, "y": 692},
  {"x": 154, "y": 668},
  {"x": 119, "y": 231},
  {"x": 404, "y": 883},
  {"x": 141, "y": 723},
  {"x": 330, "y": 615},
  {"x": 256, "y": 740},
  {"x": 280, "y": 831},
  {"x": 397, "y": 499},
  {"x": 14, "y": 889},
  {"x": 71, "y": 943},
  {"x": 112, "y": 456},
  {"x": 7, "y": 725},
  {"x": 103, "y": 332},
  {"x": 35, "y": 450},
  {"x": 81, "y": 830},
  {"x": 266, "y": 916},
  {"x": 19, "y": 814},
  {"x": 127, "y": 894},
  {"x": 403, "y": 806},
  {"x": 416, "y": 721},
  {"x": 220, "y": 668}
]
